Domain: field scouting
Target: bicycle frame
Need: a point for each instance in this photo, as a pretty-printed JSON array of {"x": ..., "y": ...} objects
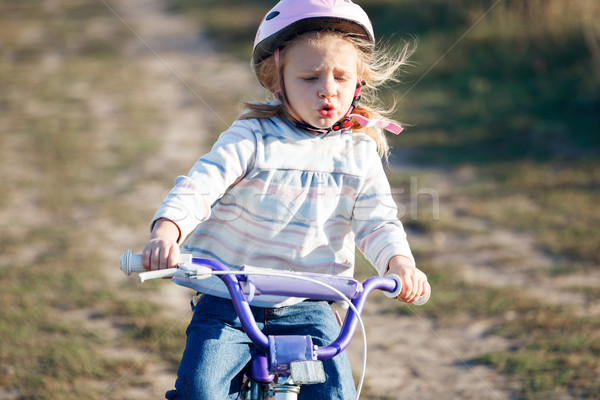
[{"x": 290, "y": 365}]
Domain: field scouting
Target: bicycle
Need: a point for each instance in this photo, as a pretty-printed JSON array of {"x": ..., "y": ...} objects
[{"x": 284, "y": 363}]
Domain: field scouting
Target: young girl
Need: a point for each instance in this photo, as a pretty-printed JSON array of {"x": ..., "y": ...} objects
[{"x": 294, "y": 184}]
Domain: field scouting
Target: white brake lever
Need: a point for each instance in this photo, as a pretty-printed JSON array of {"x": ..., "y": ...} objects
[
  {"x": 131, "y": 262},
  {"x": 184, "y": 271},
  {"x": 159, "y": 273}
]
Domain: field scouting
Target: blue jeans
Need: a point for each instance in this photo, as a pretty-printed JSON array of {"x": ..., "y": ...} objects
[{"x": 217, "y": 349}]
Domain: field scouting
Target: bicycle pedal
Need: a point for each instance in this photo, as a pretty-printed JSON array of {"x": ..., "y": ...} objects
[{"x": 307, "y": 372}]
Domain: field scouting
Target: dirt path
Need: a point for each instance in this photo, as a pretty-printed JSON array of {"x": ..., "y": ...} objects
[
  {"x": 409, "y": 357},
  {"x": 493, "y": 256},
  {"x": 179, "y": 69}
]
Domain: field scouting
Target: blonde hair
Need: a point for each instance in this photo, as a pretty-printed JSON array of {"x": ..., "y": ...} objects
[{"x": 380, "y": 67}]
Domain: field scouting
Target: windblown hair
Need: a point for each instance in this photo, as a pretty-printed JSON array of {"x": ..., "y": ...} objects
[{"x": 380, "y": 68}]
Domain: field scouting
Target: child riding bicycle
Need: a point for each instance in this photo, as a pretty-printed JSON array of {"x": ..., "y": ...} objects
[{"x": 294, "y": 184}]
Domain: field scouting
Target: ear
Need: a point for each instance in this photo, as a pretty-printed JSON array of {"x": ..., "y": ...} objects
[{"x": 361, "y": 71}]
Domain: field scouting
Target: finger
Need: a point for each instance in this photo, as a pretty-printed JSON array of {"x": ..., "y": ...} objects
[
  {"x": 412, "y": 296},
  {"x": 163, "y": 260},
  {"x": 146, "y": 258},
  {"x": 173, "y": 258},
  {"x": 421, "y": 291},
  {"x": 416, "y": 290},
  {"x": 415, "y": 293},
  {"x": 155, "y": 259},
  {"x": 160, "y": 262},
  {"x": 406, "y": 290}
]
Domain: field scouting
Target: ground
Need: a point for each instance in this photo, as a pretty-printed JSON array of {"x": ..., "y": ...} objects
[
  {"x": 409, "y": 357},
  {"x": 196, "y": 91}
]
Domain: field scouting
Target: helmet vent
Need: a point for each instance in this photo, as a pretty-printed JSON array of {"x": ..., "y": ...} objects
[{"x": 272, "y": 15}]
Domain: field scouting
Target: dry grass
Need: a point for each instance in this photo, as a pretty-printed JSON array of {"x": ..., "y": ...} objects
[
  {"x": 65, "y": 86},
  {"x": 65, "y": 90}
]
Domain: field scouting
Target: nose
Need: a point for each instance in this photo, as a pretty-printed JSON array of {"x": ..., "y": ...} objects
[{"x": 328, "y": 87}]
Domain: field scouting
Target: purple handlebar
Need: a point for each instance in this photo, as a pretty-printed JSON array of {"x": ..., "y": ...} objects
[
  {"x": 294, "y": 284},
  {"x": 351, "y": 320},
  {"x": 242, "y": 307}
]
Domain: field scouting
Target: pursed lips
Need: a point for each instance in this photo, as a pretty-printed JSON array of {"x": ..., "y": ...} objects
[{"x": 326, "y": 110}]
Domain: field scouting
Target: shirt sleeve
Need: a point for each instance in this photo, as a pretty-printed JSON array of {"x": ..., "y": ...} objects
[
  {"x": 379, "y": 234},
  {"x": 189, "y": 201}
]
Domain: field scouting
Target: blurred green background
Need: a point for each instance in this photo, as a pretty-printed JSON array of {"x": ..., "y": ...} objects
[
  {"x": 501, "y": 103},
  {"x": 509, "y": 88},
  {"x": 498, "y": 80}
]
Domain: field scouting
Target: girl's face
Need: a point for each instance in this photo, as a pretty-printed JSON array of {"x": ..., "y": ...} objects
[{"x": 320, "y": 77}]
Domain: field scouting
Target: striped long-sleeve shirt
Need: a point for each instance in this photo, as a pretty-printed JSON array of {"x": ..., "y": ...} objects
[{"x": 271, "y": 195}]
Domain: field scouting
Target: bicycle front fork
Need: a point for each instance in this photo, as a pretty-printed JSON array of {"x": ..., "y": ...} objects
[
  {"x": 252, "y": 390},
  {"x": 283, "y": 389}
]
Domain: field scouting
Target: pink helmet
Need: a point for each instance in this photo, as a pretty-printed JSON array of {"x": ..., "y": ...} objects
[{"x": 292, "y": 17}]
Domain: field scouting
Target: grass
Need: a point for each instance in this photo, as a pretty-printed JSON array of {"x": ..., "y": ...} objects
[
  {"x": 555, "y": 348},
  {"x": 554, "y": 201},
  {"x": 560, "y": 351},
  {"x": 58, "y": 170},
  {"x": 40, "y": 350},
  {"x": 511, "y": 95},
  {"x": 514, "y": 102},
  {"x": 232, "y": 29}
]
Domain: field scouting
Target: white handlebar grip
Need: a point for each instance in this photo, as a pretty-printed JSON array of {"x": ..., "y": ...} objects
[
  {"x": 425, "y": 298},
  {"x": 131, "y": 263},
  {"x": 398, "y": 290},
  {"x": 418, "y": 302}
]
